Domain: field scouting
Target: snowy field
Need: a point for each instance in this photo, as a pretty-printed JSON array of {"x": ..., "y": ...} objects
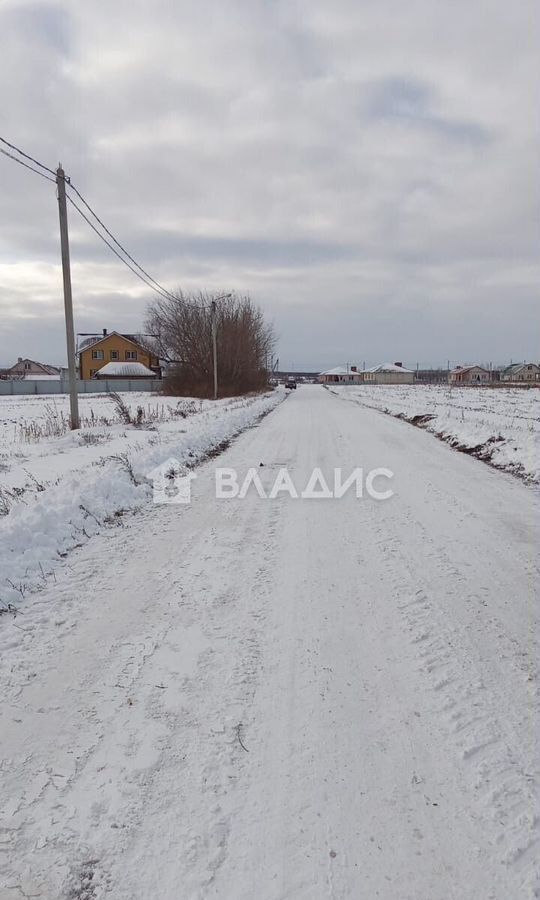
[
  {"x": 500, "y": 426},
  {"x": 59, "y": 487}
]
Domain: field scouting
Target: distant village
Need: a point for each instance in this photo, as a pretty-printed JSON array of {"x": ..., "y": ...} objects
[
  {"x": 132, "y": 361},
  {"x": 525, "y": 373}
]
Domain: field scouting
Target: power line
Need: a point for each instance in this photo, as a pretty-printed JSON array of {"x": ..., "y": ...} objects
[
  {"x": 118, "y": 244},
  {"x": 26, "y": 166},
  {"x": 159, "y": 290},
  {"x": 163, "y": 293},
  {"x": 155, "y": 285},
  {"x": 26, "y": 156},
  {"x": 139, "y": 271}
]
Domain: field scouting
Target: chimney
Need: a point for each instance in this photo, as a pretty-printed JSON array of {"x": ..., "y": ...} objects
[
  {"x": 19, "y": 359},
  {"x": 354, "y": 369},
  {"x": 104, "y": 332},
  {"x": 400, "y": 364}
]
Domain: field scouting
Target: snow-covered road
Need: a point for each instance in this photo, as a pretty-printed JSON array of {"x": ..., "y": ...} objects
[{"x": 285, "y": 699}]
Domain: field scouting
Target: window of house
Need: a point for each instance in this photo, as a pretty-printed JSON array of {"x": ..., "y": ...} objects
[
  {"x": 114, "y": 354},
  {"x": 97, "y": 354},
  {"x": 27, "y": 366},
  {"x": 131, "y": 354}
]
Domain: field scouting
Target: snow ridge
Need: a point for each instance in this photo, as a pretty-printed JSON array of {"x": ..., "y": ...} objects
[{"x": 44, "y": 524}]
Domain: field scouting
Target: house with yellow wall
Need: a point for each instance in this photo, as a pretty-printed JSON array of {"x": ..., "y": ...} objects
[{"x": 96, "y": 351}]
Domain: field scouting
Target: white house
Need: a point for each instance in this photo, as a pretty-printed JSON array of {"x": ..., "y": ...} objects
[
  {"x": 389, "y": 373},
  {"x": 522, "y": 373},
  {"x": 341, "y": 375}
]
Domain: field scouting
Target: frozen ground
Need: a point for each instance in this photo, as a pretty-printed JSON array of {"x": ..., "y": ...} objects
[
  {"x": 285, "y": 699},
  {"x": 56, "y": 491},
  {"x": 500, "y": 426}
]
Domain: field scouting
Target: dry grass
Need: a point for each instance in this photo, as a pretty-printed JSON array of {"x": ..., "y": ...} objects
[{"x": 56, "y": 423}]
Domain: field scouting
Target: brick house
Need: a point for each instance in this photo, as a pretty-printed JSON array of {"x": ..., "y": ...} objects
[
  {"x": 30, "y": 368},
  {"x": 469, "y": 375},
  {"x": 96, "y": 351}
]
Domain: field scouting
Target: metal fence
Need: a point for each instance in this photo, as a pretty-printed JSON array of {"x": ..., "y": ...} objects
[{"x": 95, "y": 386}]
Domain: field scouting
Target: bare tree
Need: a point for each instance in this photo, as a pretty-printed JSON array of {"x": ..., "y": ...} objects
[{"x": 183, "y": 329}]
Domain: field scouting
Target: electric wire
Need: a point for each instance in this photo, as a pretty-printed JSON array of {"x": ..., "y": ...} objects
[
  {"x": 118, "y": 244},
  {"x": 26, "y": 166},
  {"x": 27, "y": 156},
  {"x": 116, "y": 253},
  {"x": 154, "y": 284},
  {"x": 139, "y": 271}
]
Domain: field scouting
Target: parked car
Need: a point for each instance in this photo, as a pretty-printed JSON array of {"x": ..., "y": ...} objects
[{"x": 290, "y": 384}]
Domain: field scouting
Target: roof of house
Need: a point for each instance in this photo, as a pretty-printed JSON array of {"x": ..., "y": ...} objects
[
  {"x": 516, "y": 367},
  {"x": 47, "y": 370},
  {"x": 147, "y": 341},
  {"x": 468, "y": 368},
  {"x": 340, "y": 370},
  {"x": 124, "y": 370},
  {"x": 391, "y": 367}
]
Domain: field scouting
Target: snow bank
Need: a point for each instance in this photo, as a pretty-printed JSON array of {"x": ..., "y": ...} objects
[
  {"x": 55, "y": 498},
  {"x": 499, "y": 425}
]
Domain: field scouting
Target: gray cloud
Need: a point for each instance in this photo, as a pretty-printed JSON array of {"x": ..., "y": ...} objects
[
  {"x": 367, "y": 172},
  {"x": 411, "y": 103}
]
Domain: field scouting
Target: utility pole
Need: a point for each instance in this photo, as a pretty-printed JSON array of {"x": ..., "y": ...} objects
[
  {"x": 213, "y": 315},
  {"x": 68, "y": 300},
  {"x": 214, "y": 346}
]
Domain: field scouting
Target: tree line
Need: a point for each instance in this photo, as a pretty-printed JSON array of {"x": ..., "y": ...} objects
[{"x": 182, "y": 327}]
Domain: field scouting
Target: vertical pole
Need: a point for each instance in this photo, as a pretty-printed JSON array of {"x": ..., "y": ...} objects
[
  {"x": 68, "y": 301},
  {"x": 214, "y": 347}
]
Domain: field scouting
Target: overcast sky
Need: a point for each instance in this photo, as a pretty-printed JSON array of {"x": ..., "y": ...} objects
[{"x": 366, "y": 169}]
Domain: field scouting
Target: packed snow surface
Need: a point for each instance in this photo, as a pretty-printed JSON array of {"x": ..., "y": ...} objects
[
  {"x": 501, "y": 425},
  {"x": 282, "y": 699}
]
